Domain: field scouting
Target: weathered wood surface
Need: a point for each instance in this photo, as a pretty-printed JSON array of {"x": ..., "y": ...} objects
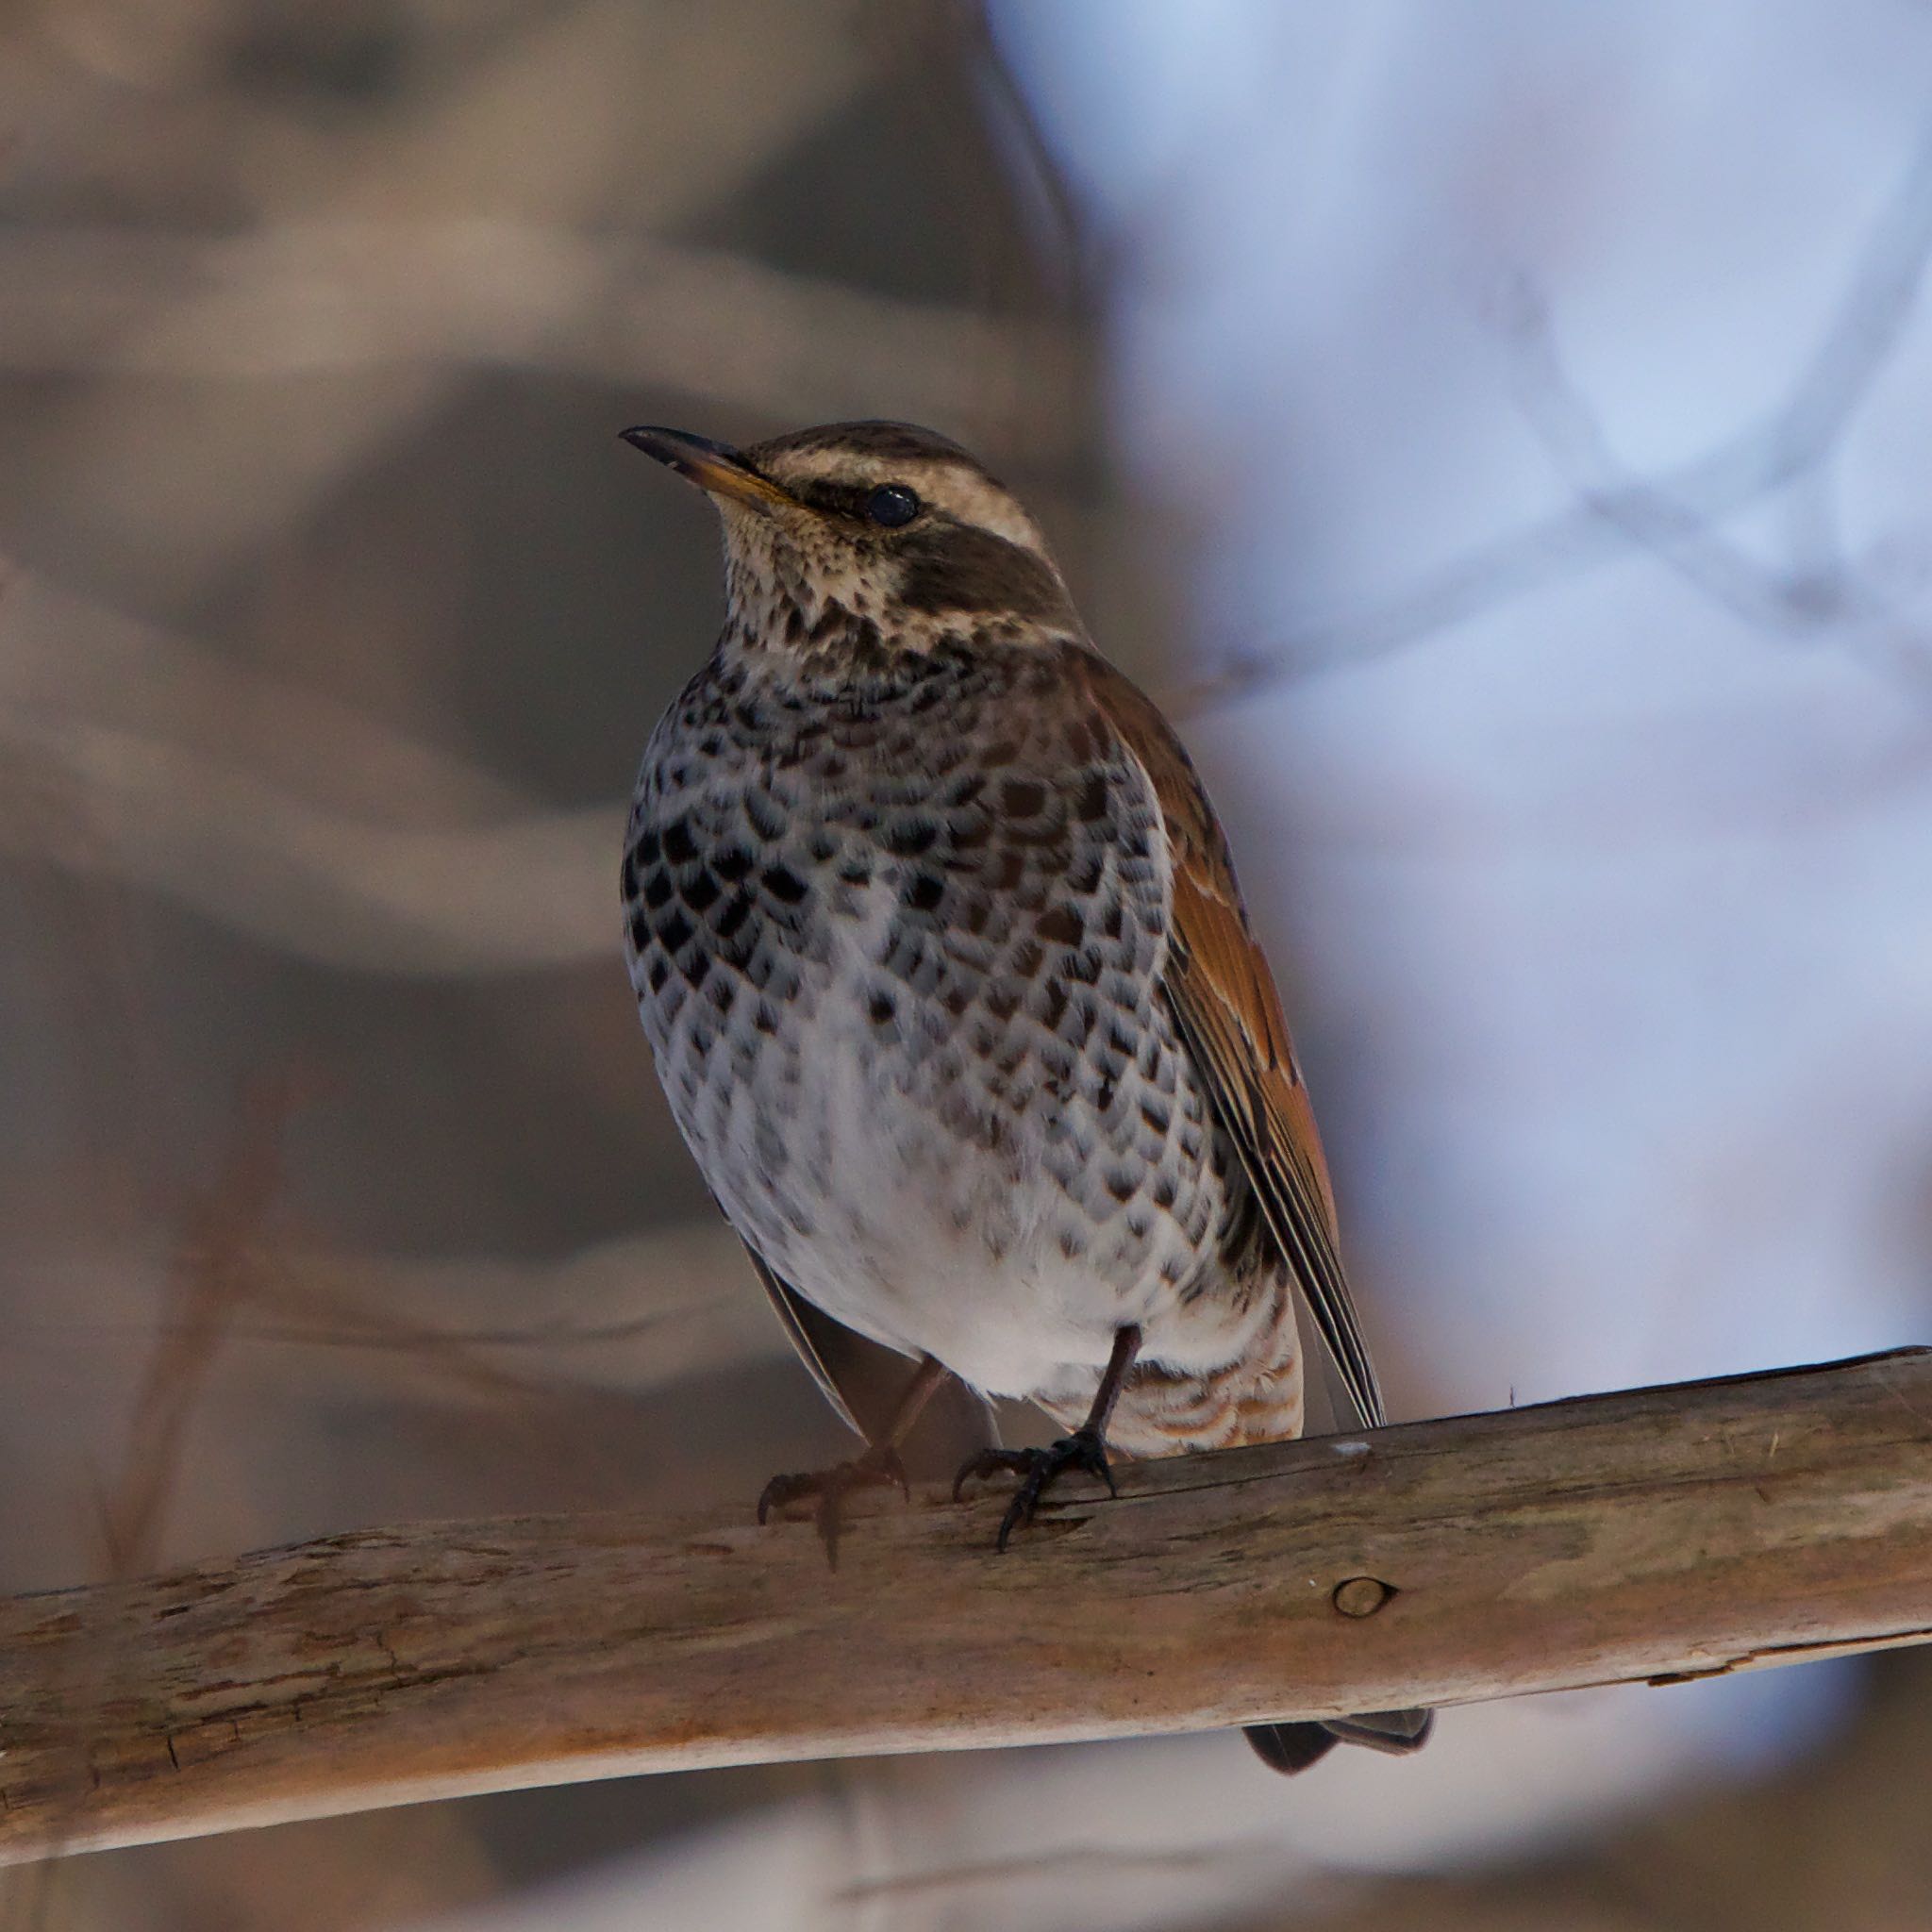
[{"x": 1681, "y": 1530}]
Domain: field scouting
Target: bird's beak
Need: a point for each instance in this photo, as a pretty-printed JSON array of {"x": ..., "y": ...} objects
[{"x": 716, "y": 468}]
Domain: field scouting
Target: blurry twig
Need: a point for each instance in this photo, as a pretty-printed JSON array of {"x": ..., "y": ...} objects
[
  {"x": 1801, "y": 432},
  {"x": 1801, "y": 604},
  {"x": 66, "y": 656},
  {"x": 301, "y": 298},
  {"x": 213, "y": 1273},
  {"x": 1066, "y": 1862},
  {"x": 538, "y": 131},
  {"x": 530, "y": 893},
  {"x": 286, "y": 815},
  {"x": 630, "y": 1314}
]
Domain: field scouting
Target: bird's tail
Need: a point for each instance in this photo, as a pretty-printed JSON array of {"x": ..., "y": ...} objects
[{"x": 1289, "y": 1748}]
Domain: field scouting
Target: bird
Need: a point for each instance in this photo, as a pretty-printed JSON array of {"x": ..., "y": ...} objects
[{"x": 937, "y": 946}]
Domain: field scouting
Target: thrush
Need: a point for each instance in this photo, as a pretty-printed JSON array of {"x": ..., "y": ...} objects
[{"x": 939, "y": 949}]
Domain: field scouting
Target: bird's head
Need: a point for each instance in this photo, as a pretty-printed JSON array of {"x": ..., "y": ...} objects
[{"x": 869, "y": 536}]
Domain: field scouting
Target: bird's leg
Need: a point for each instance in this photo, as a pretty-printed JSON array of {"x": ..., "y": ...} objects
[
  {"x": 1085, "y": 1448},
  {"x": 879, "y": 1463}
]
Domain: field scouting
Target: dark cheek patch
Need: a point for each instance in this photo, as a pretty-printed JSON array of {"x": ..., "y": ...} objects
[{"x": 949, "y": 567}]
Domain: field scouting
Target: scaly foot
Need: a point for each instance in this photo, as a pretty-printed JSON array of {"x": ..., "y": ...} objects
[
  {"x": 880, "y": 1464},
  {"x": 1037, "y": 1469}
]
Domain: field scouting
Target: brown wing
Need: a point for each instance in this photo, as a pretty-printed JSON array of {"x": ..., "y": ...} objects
[
  {"x": 802, "y": 1324},
  {"x": 864, "y": 1380},
  {"x": 1224, "y": 997}
]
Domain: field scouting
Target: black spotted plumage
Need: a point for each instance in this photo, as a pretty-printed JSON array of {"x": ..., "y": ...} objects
[
  {"x": 861, "y": 827},
  {"x": 939, "y": 950}
]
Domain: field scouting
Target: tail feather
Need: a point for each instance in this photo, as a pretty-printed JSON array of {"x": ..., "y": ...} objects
[
  {"x": 1289, "y": 1748},
  {"x": 1398, "y": 1732}
]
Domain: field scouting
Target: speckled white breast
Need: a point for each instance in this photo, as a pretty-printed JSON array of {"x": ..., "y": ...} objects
[{"x": 897, "y": 951}]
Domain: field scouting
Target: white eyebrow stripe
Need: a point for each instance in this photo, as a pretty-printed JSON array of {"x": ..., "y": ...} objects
[
  {"x": 972, "y": 500},
  {"x": 953, "y": 488}
]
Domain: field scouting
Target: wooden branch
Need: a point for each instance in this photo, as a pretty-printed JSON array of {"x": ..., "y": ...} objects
[
  {"x": 1657, "y": 1534},
  {"x": 303, "y": 297}
]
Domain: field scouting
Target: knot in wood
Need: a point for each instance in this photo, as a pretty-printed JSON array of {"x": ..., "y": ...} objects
[{"x": 1361, "y": 1596}]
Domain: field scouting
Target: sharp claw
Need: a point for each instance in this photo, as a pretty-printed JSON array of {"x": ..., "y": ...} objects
[
  {"x": 1008, "y": 1523},
  {"x": 829, "y": 1487},
  {"x": 1037, "y": 1469}
]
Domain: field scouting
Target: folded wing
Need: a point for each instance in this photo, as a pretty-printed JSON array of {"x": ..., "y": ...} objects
[{"x": 1223, "y": 998}]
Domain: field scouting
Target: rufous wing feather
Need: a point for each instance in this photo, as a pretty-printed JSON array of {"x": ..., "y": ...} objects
[
  {"x": 804, "y": 1325},
  {"x": 1228, "y": 1010}
]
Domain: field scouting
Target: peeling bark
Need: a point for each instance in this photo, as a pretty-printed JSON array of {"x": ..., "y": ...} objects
[{"x": 1654, "y": 1535}]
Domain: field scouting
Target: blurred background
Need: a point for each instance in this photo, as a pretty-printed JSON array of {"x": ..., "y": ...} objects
[{"x": 1500, "y": 433}]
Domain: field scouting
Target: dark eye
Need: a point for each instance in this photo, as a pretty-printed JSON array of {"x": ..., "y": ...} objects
[{"x": 892, "y": 505}]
